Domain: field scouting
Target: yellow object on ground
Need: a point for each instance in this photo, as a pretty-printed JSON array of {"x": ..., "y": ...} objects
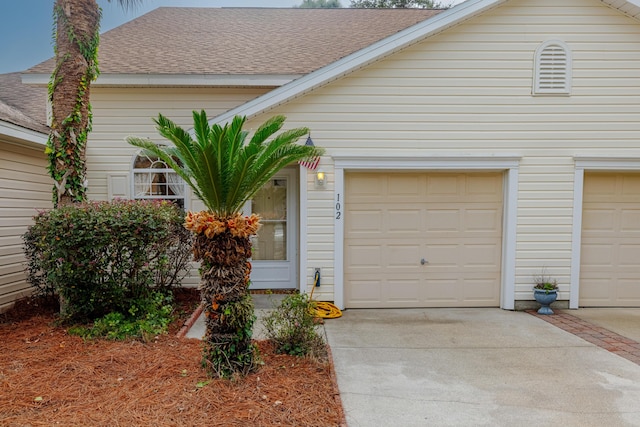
[{"x": 323, "y": 309}]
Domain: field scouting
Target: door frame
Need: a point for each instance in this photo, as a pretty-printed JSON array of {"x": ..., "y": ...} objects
[
  {"x": 292, "y": 235},
  {"x": 507, "y": 164}
]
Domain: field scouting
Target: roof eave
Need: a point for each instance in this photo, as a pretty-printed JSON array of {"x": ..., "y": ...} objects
[
  {"x": 29, "y": 136},
  {"x": 176, "y": 80},
  {"x": 625, "y": 7}
]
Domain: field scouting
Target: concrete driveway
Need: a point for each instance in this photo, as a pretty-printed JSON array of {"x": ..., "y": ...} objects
[{"x": 476, "y": 367}]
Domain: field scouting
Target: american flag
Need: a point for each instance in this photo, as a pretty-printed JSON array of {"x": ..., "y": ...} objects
[{"x": 312, "y": 162}]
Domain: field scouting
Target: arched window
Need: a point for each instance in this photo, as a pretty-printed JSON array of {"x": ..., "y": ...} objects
[
  {"x": 153, "y": 179},
  {"x": 552, "y": 73}
]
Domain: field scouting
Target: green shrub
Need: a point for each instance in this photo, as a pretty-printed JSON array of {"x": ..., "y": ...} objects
[
  {"x": 146, "y": 319},
  {"x": 98, "y": 257},
  {"x": 293, "y": 328}
]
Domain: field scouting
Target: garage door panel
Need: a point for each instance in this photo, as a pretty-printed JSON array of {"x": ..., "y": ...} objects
[
  {"x": 441, "y": 187},
  {"x": 629, "y": 220},
  {"x": 630, "y": 187},
  {"x": 629, "y": 255},
  {"x": 595, "y": 219},
  {"x": 483, "y": 220},
  {"x": 629, "y": 290},
  {"x": 485, "y": 187},
  {"x": 369, "y": 221},
  {"x": 364, "y": 256},
  {"x": 442, "y": 290},
  {"x": 364, "y": 292},
  {"x": 404, "y": 291},
  {"x": 442, "y": 220},
  {"x": 597, "y": 255},
  {"x": 403, "y": 256},
  {"x": 481, "y": 255},
  {"x": 477, "y": 289},
  {"x": 442, "y": 255},
  {"x": 425, "y": 216},
  {"x": 401, "y": 186},
  {"x": 610, "y": 251},
  {"x": 403, "y": 221}
]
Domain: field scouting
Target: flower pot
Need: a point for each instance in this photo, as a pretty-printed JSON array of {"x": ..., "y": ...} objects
[{"x": 545, "y": 298}]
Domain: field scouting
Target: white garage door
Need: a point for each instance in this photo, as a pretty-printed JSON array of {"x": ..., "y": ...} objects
[
  {"x": 423, "y": 240},
  {"x": 610, "y": 255}
]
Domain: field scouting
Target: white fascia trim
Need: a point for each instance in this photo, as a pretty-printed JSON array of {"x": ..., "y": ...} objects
[
  {"x": 625, "y": 7},
  {"x": 207, "y": 80},
  {"x": 508, "y": 163},
  {"x": 27, "y": 135},
  {"x": 361, "y": 58},
  {"x": 582, "y": 164}
]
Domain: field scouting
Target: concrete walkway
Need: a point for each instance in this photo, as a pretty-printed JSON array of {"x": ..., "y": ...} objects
[
  {"x": 477, "y": 367},
  {"x": 263, "y": 303}
]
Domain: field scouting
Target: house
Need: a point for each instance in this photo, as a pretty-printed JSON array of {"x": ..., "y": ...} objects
[
  {"x": 465, "y": 151},
  {"x": 24, "y": 183}
]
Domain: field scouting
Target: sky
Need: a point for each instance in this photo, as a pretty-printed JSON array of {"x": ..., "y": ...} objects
[{"x": 26, "y": 25}]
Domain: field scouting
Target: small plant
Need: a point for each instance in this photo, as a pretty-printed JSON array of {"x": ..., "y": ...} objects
[
  {"x": 293, "y": 328},
  {"x": 145, "y": 319},
  {"x": 545, "y": 282}
]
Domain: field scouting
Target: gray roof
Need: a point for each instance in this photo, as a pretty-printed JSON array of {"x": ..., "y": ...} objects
[
  {"x": 23, "y": 105},
  {"x": 243, "y": 41}
]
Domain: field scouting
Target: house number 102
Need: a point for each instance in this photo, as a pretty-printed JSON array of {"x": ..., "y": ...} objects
[{"x": 338, "y": 207}]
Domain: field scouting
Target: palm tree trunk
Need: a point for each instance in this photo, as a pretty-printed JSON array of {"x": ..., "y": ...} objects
[
  {"x": 228, "y": 307},
  {"x": 77, "y": 37}
]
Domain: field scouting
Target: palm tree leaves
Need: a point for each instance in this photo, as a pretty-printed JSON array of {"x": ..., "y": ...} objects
[{"x": 224, "y": 170}]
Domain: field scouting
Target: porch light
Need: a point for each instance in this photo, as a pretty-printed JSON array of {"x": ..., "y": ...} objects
[{"x": 320, "y": 178}]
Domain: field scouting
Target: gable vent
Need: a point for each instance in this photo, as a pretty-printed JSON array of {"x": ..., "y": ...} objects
[{"x": 552, "y": 74}]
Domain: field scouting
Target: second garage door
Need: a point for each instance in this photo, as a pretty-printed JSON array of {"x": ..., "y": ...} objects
[
  {"x": 609, "y": 272},
  {"x": 423, "y": 240}
]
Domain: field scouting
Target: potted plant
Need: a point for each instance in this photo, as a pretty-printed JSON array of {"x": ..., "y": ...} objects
[{"x": 545, "y": 291}]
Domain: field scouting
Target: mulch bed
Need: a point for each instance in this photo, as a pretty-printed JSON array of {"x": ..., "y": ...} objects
[{"x": 48, "y": 377}]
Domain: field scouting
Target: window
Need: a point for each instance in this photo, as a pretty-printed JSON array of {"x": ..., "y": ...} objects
[
  {"x": 153, "y": 179},
  {"x": 552, "y": 73}
]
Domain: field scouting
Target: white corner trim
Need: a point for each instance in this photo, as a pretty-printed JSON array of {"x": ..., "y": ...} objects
[
  {"x": 24, "y": 134},
  {"x": 303, "y": 214},
  {"x": 509, "y": 163},
  {"x": 509, "y": 233},
  {"x": 582, "y": 164},
  {"x": 338, "y": 242},
  {"x": 576, "y": 242}
]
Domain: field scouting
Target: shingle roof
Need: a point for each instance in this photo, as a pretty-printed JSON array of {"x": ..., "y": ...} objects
[
  {"x": 23, "y": 105},
  {"x": 243, "y": 41}
]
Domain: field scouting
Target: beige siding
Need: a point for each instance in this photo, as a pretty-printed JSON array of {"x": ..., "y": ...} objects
[
  {"x": 119, "y": 113},
  {"x": 467, "y": 91},
  {"x": 25, "y": 187}
]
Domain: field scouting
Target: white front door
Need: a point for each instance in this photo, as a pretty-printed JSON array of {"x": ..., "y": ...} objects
[{"x": 275, "y": 251}]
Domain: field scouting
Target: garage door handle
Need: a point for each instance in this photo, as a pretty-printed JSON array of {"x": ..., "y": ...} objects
[{"x": 424, "y": 261}]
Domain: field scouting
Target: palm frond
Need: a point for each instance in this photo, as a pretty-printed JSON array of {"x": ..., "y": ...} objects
[{"x": 224, "y": 170}]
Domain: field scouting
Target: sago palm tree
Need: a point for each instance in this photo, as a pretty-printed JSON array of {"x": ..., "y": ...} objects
[
  {"x": 76, "y": 28},
  {"x": 225, "y": 170}
]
